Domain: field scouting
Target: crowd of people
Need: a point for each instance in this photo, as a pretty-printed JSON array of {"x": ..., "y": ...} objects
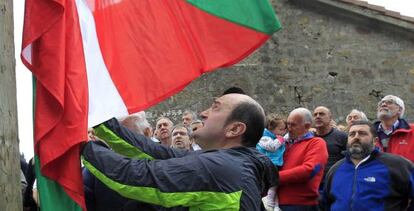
[{"x": 234, "y": 157}]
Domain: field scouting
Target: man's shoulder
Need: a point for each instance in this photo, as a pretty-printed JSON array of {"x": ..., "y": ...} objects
[
  {"x": 232, "y": 162},
  {"x": 316, "y": 139},
  {"x": 230, "y": 156},
  {"x": 337, "y": 165},
  {"x": 314, "y": 143},
  {"x": 219, "y": 160},
  {"x": 393, "y": 159},
  {"x": 339, "y": 133},
  {"x": 336, "y": 135}
]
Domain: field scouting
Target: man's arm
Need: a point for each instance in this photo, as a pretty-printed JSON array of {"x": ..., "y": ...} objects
[
  {"x": 133, "y": 145},
  {"x": 327, "y": 198},
  {"x": 411, "y": 202},
  {"x": 189, "y": 182},
  {"x": 316, "y": 157}
]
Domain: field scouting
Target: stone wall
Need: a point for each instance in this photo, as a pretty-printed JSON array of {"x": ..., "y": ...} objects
[{"x": 341, "y": 61}]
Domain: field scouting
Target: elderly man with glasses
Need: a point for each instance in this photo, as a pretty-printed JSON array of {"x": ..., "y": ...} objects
[{"x": 395, "y": 134}]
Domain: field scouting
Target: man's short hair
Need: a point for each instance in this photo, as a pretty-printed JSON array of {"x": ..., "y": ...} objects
[
  {"x": 252, "y": 115},
  {"x": 234, "y": 90},
  {"x": 305, "y": 113},
  {"x": 197, "y": 121},
  {"x": 372, "y": 129},
  {"x": 362, "y": 114},
  {"x": 273, "y": 120},
  {"x": 398, "y": 101},
  {"x": 192, "y": 113},
  {"x": 139, "y": 119},
  {"x": 164, "y": 117},
  {"x": 181, "y": 126}
]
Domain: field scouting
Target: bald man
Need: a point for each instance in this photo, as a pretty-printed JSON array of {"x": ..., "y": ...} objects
[
  {"x": 335, "y": 139},
  {"x": 228, "y": 175},
  {"x": 304, "y": 160}
]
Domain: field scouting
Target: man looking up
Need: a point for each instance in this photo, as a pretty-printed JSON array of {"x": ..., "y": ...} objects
[
  {"x": 335, "y": 139},
  {"x": 195, "y": 125},
  {"x": 137, "y": 123},
  {"x": 395, "y": 134},
  {"x": 229, "y": 175},
  {"x": 368, "y": 179},
  {"x": 353, "y": 116},
  {"x": 304, "y": 160},
  {"x": 163, "y": 130},
  {"x": 188, "y": 117},
  {"x": 181, "y": 137}
]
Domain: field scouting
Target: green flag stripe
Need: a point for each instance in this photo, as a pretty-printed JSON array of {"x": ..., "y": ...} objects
[
  {"x": 51, "y": 194},
  {"x": 255, "y": 14},
  {"x": 119, "y": 145},
  {"x": 203, "y": 200}
]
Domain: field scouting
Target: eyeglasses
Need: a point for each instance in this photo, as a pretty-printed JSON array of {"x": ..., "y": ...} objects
[{"x": 386, "y": 102}]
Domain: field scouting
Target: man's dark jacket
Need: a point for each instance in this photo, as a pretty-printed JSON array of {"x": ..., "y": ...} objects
[{"x": 224, "y": 179}]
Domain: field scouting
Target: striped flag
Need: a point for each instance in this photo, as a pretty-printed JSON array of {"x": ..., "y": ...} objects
[{"x": 95, "y": 59}]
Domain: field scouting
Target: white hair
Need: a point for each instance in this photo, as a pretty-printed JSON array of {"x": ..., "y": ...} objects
[
  {"x": 362, "y": 114},
  {"x": 397, "y": 101},
  {"x": 305, "y": 113},
  {"x": 192, "y": 113},
  {"x": 138, "y": 120}
]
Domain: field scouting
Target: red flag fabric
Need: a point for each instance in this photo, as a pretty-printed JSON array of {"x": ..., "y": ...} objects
[
  {"x": 174, "y": 43},
  {"x": 52, "y": 50}
]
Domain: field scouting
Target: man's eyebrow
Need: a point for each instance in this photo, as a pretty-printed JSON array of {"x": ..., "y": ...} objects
[{"x": 216, "y": 101}]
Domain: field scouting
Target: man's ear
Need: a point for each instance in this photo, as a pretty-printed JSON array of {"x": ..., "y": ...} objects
[
  {"x": 308, "y": 125},
  {"x": 235, "y": 129},
  {"x": 147, "y": 132},
  {"x": 399, "y": 111}
]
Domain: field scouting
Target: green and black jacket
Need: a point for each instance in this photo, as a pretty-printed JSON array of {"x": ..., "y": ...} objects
[{"x": 225, "y": 179}]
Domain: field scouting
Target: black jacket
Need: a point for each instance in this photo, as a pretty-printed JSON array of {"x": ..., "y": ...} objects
[{"x": 225, "y": 179}]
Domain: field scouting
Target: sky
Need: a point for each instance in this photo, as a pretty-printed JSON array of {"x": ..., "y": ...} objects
[{"x": 24, "y": 78}]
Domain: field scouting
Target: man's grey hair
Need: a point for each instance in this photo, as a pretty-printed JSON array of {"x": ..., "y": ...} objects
[
  {"x": 397, "y": 101},
  {"x": 362, "y": 114},
  {"x": 193, "y": 114},
  {"x": 181, "y": 126},
  {"x": 138, "y": 120},
  {"x": 164, "y": 117},
  {"x": 305, "y": 113},
  {"x": 196, "y": 122}
]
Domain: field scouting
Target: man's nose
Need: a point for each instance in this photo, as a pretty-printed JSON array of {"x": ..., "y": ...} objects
[
  {"x": 383, "y": 104},
  {"x": 355, "y": 139}
]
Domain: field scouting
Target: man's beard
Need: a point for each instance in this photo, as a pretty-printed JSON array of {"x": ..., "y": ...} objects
[
  {"x": 385, "y": 114},
  {"x": 359, "y": 150}
]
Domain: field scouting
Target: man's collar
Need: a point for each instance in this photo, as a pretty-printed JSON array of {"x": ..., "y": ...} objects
[
  {"x": 394, "y": 127},
  {"x": 371, "y": 155},
  {"x": 307, "y": 135},
  {"x": 323, "y": 135}
]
